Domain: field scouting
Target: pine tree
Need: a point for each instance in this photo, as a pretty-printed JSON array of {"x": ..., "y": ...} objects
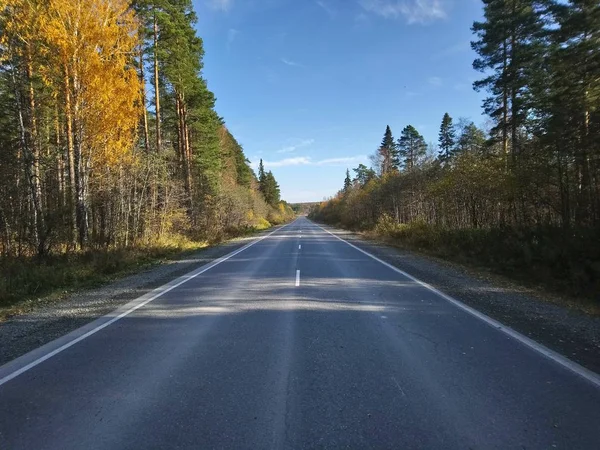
[
  {"x": 508, "y": 44},
  {"x": 271, "y": 192},
  {"x": 470, "y": 139},
  {"x": 262, "y": 176},
  {"x": 268, "y": 185},
  {"x": 387, "y": 153},
  {"x": 347, "y": 181},
  {"x": 447, "y": 138},
  {"x": 571, "y": 110},
  {"x": 236, "y": 167},
  {"x": 184, "y": 107},
  {"x": 243, "y": 170},
  {"x": 411, "y": 147},
  {"x": 364, "y": 174},
  {"x": 152, "y": 14}
]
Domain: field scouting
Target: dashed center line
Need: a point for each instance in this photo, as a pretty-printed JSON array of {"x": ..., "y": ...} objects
[
  {"x": 300, "y": 247},
  {"x": 297, "y": 278}
]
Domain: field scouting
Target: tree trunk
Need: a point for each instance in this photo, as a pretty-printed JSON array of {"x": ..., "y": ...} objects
[
  {"x": 156, "y": 87},
  {"x": 60, "y": 162},
  {"x": 35, "y": 163},
  {"x": 70, "y": 156},
  {"x": 7, "y": 244},
  {"x": 514, "y": 113},
  {"x": 144, "y": 110},
  {"x": 188, "y": 152},
  {"x": 505, "y": 106},
  {"x": 563, "y": 182},
  {"x": 80, "y": 165},
  {"x": 184, "y": 148},
  {"x": 24, "y": 141}
]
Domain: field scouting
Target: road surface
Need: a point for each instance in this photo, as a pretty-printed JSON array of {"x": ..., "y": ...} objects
[{"x": 300, "y": 341}]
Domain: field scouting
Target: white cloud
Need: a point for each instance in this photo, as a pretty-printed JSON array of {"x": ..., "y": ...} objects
[
  {"x": 307, "y": 161},
  {"x": 296, "y": 146},
  {"x": 340, "y": 161},
  {"x": 327, "y": 8},
  {"x": 291, "y": 63},
  {"x": 298, "y": 161},
  {"x": 435, "y": 81},
  {"x": 221, "y": 5},
  {"x": 413, "y": 11}
]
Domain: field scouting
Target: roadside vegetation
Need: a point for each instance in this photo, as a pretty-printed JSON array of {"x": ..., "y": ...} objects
[
  {"x": 521, "y": 196},
  {"x": 25, "y": 282},
  {"x": 112, "y": 152}
]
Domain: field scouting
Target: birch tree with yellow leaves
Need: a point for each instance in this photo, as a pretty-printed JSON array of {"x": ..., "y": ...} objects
[
  {"x": 93, "y": 43},
  {"x": 78, "y": 54},
  {"x": 87, "y": 161}
]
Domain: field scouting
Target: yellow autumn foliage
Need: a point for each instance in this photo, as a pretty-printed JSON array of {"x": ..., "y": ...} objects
[
  {"x": 93, "y": 42},
  {"x": 86, "y": 48}
]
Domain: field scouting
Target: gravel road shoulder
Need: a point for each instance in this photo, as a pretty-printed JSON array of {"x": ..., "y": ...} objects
[
  {"x": 567, "y": 331},
  {"x": 28, "y": 331}
]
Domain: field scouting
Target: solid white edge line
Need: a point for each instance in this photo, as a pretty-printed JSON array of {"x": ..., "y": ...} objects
[
  {"x": 161, "y": 291},
  {"x": 587, "y": 374},
  {"x": 297, "y": 278}
]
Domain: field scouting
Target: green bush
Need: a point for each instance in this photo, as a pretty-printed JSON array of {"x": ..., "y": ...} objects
[{"x": 568, "y": 261}]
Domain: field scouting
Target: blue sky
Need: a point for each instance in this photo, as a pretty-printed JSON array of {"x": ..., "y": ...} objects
[{"x": 309, "y": 85}]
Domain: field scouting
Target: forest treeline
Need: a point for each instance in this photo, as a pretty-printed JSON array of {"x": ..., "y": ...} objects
[
  {"x": 109, "y": 134},
  {"x": 109, "y": 137},
  {"x": 523, "y": 196}
]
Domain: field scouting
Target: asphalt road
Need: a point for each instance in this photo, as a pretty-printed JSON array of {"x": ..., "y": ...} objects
[{"x": 252, "y": 354}]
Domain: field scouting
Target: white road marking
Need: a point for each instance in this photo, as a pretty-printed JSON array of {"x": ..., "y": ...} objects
[
  {"x": 590, "y": 376},
  {"x": 297, "y": 278},
  {"x": 300, "y": 247},
  {"x": 128, "y": 310}
]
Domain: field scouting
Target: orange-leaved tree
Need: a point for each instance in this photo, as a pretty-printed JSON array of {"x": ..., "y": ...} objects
[{"x": 92, "y": 48}]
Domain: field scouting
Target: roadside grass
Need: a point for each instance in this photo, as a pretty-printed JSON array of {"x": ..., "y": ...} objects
[
  {"x": 28, "y": 282},
  {"x": 565, "y": 266}
]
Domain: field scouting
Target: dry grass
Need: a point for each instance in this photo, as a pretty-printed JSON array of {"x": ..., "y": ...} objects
[
  {"x": 26, "y": 282},
  {"x": 559, "y": 270}
]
